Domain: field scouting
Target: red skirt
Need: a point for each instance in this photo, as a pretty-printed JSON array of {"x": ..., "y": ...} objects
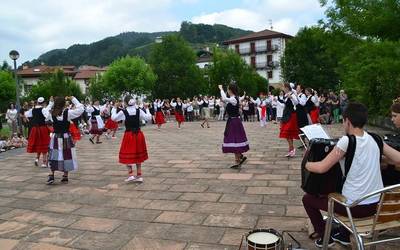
[
  {"x": 39, "y": 140},
  {"x": 179, "y": 117},
  {"x": 111, "y": 125},
  {"x": 160, "y": 118},
  {"x": 75, "y": 133},
  {"x": 314, "y": 115},
  {"x": 290, "y": 129},
  {"x": 133, "y": 148}
]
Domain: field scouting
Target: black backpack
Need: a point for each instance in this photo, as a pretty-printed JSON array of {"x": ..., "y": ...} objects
[{"x": 351, "y": 149}]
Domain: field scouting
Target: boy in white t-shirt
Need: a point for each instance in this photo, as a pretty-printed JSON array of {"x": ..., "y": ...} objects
[{"x": 363, "y": 177}]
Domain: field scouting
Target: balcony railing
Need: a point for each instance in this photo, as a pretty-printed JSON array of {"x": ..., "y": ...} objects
[
  {"x": 258, "y": 49},
  {"x": 267, "y": 65}
]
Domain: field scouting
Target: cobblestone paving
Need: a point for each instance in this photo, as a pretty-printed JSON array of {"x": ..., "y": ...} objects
[{"x": 190, "y": 199}]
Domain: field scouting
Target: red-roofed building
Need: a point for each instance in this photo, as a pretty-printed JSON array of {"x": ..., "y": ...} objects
[
  {"x": 85, "y": 73},
  {"x": 263, "y": 51},
  {"x": 31, "y": 75}
]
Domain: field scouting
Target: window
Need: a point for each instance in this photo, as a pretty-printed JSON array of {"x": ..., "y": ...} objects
[
  {"x": 253, "y": 61},
  {"x": 270, "y": 75},
  {"x": 252, "y": 48},
  {"x": 237, "y": 48},
  {"x": 269, "y": 59},
  {"x": 269, "y": 45}
]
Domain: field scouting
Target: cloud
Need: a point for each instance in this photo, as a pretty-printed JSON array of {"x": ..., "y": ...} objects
[
  {"x": 287, "y": 16},
  {"x": 34, "y": 27}
]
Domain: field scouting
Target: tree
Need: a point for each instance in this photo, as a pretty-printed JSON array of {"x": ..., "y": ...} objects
[
  {"x": 7, "y": 89},
  {"x": 372, "y": 18},
  {"x": 128, "y": 74},
  {"x": 312, "y": 57},
  {"x": 5, "y": 66},
  {"x": 228, "y": 66},
  {"x": 371, "y": 75},
  {"x": 55, "y": 84},
  {"x": 174, "y": 62}
]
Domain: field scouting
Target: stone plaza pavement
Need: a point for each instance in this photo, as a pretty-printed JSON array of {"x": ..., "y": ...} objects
[{"x": 190, "y": 198}]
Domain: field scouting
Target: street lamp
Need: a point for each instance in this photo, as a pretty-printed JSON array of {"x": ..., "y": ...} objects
[{"x": 14, "y": 55}]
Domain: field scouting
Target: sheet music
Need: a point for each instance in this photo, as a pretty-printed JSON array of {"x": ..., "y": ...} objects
[{"x": 315, "y": 131}]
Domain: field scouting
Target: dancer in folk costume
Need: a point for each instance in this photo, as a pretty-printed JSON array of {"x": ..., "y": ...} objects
[
  {"x": 289, "y": 126},
  {"x": 312, "y": 106},
  {"x": 62, "y": 155},
  {"x": 204, "y": 104},
  {"x": 74, "y": 124},
  {"x": 133, "y": 147},
  {"x": 39, "y": 136},
  {"x": 97, "y": 124},
  {"x": 179, "y": 107},
  {"x": 262, "y": 109},
  {"x": 110, "y": 125},
  {"x": 302, "y": 117},
  {"x": 235, "y": 140},
  {"x": 160, "y": 120}
]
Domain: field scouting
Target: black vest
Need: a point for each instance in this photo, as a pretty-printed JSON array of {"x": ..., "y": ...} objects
[
  {"x": 38, "y": 118},
  {"x": 132, "y": 122},
  {"x": 309, "y": 105},
  {"x": 233, "y": 111},
  {"x": 95, "y": 113},
  {"x": 302, "y": 119},
  {"x": 179, "y": 108},
  {"x": 288, "y": 110},
  {"x": 61, "y": 127},
  {"x": 205, "y": 104}
]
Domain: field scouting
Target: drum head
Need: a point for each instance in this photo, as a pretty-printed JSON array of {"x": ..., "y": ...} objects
[{"x": 263, "y": 239}]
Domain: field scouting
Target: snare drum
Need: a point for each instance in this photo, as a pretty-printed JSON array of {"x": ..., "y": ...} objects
[{"x": 264, "y": 239}]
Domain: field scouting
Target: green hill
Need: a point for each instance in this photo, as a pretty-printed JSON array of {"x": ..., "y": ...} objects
[{"x": 105, "y": 51}]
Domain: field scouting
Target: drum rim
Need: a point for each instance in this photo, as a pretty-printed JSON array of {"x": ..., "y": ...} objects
[{"x": 264, "y": 230}]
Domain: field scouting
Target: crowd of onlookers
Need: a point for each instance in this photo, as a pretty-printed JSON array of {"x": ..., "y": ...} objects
[{"x": 331, "y": 105}]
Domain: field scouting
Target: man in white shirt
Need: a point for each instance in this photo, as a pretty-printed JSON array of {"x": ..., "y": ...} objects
[{"x": 363, "y": 177}]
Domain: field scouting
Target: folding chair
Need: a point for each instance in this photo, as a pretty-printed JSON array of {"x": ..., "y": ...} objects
[{"x": 386, "y": 217}]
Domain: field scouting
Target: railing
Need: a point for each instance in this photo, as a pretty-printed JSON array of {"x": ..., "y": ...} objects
[
  {"x": 267, "y": 65},
  {"x": 258, "y": 49}
]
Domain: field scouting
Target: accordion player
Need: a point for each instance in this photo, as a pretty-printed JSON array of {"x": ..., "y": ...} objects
[
  {"x": 391, "y": 174},
  {"x": 320, "y": 184}
]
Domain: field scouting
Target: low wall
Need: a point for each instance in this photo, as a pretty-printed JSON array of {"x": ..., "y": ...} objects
[{"x": 383, "y": 122}]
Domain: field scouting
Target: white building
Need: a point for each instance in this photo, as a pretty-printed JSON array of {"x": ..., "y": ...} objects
[{"x": 263, "y": 51}]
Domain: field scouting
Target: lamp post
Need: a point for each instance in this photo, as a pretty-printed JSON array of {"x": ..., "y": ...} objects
[{"x": 14, "y": 55}]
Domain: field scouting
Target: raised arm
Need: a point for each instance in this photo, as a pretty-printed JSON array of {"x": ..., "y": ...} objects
[
  {"x": 46, "y": 110},
  {"x": 74, "y": 113},
  {"x": 117, "y": 116},
  {"x": 232, "y": 100},
  {"x": 145, "y": 115}
]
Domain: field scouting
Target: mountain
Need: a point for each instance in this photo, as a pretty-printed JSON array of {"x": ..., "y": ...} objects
[{"x": 105, "y": 51}]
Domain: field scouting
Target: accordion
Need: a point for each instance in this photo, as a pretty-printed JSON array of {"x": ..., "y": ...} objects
[
  {"x": 393, "y": 141},
  {"x": 391, "y": 175},
  {"x": 320, "y": 184}
]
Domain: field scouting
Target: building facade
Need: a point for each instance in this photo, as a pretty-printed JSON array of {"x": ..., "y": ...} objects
[
  {"x": 31, "y": 75},
  {"x": 263, "y": 51}
]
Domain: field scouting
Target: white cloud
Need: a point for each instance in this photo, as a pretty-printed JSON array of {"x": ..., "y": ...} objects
[
  {"x": 34, "y": 27},
  {"x": 287, "y": 16}
]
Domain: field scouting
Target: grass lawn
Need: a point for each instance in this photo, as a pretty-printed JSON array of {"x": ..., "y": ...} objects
[{"x": 5, "y": 131}]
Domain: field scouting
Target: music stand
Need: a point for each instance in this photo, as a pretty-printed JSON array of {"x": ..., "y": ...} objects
[{"x": 311, "y": 132}]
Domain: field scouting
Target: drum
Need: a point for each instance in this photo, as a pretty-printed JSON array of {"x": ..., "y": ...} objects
[
  {"x": 264, "y": 239},
  {"x": 320, "y": 184}
]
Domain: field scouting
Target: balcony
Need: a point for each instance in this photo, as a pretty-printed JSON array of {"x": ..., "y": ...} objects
[
  {"x": 267, "y": 65},
  {"x": 258, "y": 49}
]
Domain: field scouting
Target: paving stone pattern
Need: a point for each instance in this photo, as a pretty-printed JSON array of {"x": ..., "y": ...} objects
[{"x": 190, "y": 198}]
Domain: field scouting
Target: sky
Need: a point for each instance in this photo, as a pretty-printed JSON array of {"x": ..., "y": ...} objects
[{"x": 35, "y": 27}]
